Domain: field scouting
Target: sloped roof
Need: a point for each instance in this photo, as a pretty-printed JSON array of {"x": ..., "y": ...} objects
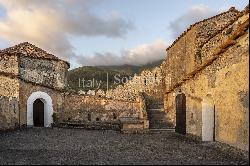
[
  {"x": 192, "y": 25},
  {"x": 30, "y": 50}
]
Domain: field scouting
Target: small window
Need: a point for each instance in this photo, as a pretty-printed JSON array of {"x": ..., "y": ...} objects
[
  {"x": 14, "y": 108},
  {"x": 114, "y": 116},
  {"x": 97, "y": 119},
  {"x": 21, "y": 65},
  {"x": 145, "y": 81},
  {"x": 89, "y": 117}
]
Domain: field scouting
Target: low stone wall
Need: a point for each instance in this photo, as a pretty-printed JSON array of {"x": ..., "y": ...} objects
[
  {"x": 9, "y": 112},
  {"x": 96, "y": 112}
]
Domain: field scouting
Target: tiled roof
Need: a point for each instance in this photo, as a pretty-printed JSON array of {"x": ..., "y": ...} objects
[
  {"x": 30, "y": 50},
  {"x": 190, "y": 27}
]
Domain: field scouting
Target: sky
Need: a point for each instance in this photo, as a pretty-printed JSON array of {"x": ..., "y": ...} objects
[{"x": 103, "y": 32}]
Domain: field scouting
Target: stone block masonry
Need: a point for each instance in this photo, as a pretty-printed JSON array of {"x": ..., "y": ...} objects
[{"x": 214, "y": 81}]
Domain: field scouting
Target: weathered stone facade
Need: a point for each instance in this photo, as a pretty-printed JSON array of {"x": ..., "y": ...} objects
[
  {"x": 25, "y": 69},
  {"x": 209, "y": 65},
  {"x": 95, "y": 110}
]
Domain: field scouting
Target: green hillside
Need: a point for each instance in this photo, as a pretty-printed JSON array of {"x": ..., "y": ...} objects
[{"x": 100, "y": 77}]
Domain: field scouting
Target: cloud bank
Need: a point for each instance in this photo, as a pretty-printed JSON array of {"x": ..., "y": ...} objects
[
  {"x": 194, "y": 14},
  {"x": 139, "y": 55},
  {"x": 48, "y": 24}
]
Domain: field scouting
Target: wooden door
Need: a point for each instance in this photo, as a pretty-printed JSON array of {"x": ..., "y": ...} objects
[
  {"x": 180, "y": 114},
  {"x": 38, "y": 113}
]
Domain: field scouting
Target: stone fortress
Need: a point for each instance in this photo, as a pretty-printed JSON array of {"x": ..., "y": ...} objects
[{"x": 200, "y": 89}]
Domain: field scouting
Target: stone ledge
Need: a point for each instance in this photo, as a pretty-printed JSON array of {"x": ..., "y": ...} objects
[{"x": 132, "y": 125}]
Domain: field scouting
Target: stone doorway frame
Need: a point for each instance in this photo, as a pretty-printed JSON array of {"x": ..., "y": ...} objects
[
  {"x": 48, "y": 108},
  {"x": 208, "y": 119}
]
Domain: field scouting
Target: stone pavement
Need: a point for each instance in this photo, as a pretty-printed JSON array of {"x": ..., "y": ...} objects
[{"x": 76, "y": 146}]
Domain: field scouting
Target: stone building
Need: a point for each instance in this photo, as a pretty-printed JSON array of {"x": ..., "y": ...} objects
[
  {"x": 31, "y": 86},
  {"x": 208, "y": 94}
]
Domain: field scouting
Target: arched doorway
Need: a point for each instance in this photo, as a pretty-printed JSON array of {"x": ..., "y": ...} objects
[
  {"x": 38, "y": 113},
  {"x": 37, "y": 102},
  {"x": 208, "y": 119},
  {"x": 180, "y": 102}
]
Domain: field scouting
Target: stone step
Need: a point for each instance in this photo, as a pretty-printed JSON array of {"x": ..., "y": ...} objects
[
  {"x": 156, "y": 113},
  {"x": 163, "y": 121},
  {"x": 155, "y": 109},
  {"x": 158, "y": 126},
  {"x": 157, "y": 118},
  {"x": 162, "y": 130},
  {"x": 158, "y": 121}
]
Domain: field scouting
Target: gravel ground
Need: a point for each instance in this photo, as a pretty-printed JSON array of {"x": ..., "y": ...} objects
[{"x": 75, "y": 146}]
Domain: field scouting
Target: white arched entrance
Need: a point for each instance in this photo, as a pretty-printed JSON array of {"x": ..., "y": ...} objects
[
  {"x": 48, "y": 109},
  {"x": 208, "y": 121}
]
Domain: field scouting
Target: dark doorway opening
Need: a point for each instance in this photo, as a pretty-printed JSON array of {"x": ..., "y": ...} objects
[
  {"x": 38, "y": 113},
  {"x": 180, "y": 101}
]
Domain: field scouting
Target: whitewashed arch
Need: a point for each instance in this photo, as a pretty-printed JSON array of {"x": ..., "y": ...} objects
[
  {"x": 208, "y": 121},
  {"x": 48, "y": 108}
]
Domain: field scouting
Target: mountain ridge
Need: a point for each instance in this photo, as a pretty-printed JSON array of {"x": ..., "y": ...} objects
[{"x": 89, "y": 74}]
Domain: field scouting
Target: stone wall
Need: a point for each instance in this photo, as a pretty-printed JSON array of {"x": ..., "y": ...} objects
[
  {"x": 9, "y": 112},
  {"x": 184, "y": 56},
  {"x": 45, "y": 72},
  {"x": 222, "y": 74},
  {"x": 9, "y": 97},
  {"x": 9, "y": 87},
  {"x": 8, "y": 64},
  {"x": 85, "y": 108}
]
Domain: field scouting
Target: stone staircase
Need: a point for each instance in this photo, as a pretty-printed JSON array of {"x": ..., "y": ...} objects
[{"x": 157, "y": 119}]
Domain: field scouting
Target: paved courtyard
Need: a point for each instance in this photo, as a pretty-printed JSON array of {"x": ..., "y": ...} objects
[{"x": 75, "y": 146}]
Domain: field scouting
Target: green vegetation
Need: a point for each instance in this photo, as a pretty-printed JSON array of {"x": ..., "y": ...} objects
[{"x": 82, "y": 78}]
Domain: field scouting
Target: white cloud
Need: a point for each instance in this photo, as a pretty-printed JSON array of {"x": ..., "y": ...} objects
[
  {"x": 139, "y": 55},
  {"x": 194, "y": 14},
  {"x": 48, "y": 23}
]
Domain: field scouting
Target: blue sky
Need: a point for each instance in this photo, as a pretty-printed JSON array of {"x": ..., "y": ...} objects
[{"x": 103, "y": 32}]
